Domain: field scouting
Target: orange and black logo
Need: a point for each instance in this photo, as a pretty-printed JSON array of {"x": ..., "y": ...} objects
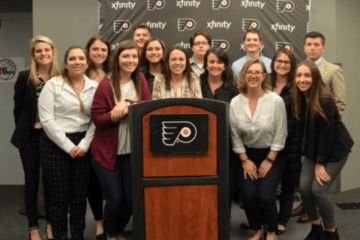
[
  {"x": 155, "y": 4},
  {"x": 217, "y": 4},
  {"x": 121, "y": 25},
  {"x": 284, "y": 6},
  {"x": 186, "y": 24}
]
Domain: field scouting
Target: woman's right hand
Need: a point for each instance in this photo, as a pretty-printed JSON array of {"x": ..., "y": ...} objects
[
  {"x": 119, "y": 111},
  {"x": 77, "y": 152},
  {"x": 250, "y": 169}
]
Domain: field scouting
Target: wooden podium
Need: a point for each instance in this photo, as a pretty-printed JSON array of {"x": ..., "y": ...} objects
[{"x": 180, "y": 169}]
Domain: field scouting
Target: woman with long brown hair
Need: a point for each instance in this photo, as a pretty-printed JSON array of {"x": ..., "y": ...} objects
[
  {"x": 28, "y": 86},
  {"x": 325, "y": 147},
  {"x": 110, "y": 147}
]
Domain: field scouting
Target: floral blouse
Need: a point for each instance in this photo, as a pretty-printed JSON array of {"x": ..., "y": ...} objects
[{"x": 184, "y": 90}]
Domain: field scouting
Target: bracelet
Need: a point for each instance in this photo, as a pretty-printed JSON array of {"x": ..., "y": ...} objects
[{"x": 270, "y": 159}]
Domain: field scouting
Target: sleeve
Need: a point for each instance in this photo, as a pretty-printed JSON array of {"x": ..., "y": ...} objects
[
  {"x": 86, "y": 141},
  {"x": 238, "y": 145},
  {"x": 338, "y": 89},
  {"x": 47, "y": 118},
  {"x": 196, "y": 87},
  {"x": 19, "y": 95},
  {"x": 280, "y": 126},
  {"x": 100, "y": 110},
  {"x": 157, "y": 89},
  {"x": 234, "y": 92},
  {"x": 325, "y": 133}
]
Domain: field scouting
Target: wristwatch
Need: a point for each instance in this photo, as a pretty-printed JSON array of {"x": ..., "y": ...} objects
[{"x": 269, "y": 159}]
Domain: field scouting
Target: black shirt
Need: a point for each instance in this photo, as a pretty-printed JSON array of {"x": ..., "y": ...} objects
[{"x": 221, "y": 94}]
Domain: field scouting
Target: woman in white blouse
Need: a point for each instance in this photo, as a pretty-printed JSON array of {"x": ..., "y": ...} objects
[
  {"x": 177, "y": 79},
  {"x": 64, "y": 111},
  {"x": 258, "y": 130}
]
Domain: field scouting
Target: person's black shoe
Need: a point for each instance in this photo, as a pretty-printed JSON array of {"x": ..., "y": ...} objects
[
  {"x": 331, "y": 235},
  {"x": 316, "y": 233}
]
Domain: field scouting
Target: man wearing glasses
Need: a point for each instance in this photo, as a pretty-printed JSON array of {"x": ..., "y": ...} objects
[
  {"x": 200, "y": 43},
  {"x": 252, "y": 42}
]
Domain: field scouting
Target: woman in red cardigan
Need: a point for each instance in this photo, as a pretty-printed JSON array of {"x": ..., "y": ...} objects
[{"x": 111, "y": 144}]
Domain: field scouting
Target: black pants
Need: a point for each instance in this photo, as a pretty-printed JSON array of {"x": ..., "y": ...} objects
[
  {"x": 30, "y": 158},
  {"x": 259, "y": 195},
  {"x": 95, "y": 196},
  {"x": 69, "y": 182}
]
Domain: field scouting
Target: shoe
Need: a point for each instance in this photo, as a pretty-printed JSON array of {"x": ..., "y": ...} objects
[
  {"x": 331, "y": 235},
  {"x": 316, "y": 233},
  {"x": 298, "y": 210},
  {"x": 245, "y": 226},
  {"x": 279, "y": 232},
  {"x": 101, "y": 236},
  {"x": 304, "y": 218}
]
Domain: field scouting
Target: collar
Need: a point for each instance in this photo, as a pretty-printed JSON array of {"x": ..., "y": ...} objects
[
  {"x": 191, "y": 60},
  {"x": 318, "y": 61},
  {"x": 248, "y": 57}
]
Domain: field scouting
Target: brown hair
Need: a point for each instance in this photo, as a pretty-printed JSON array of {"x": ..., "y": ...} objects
[
  {"x": 166, "y": 70},
  {"x": 192, "y": 38},
  {"x": 144, "y": 61},
  {"x": 316, "y": 91},
  {"x": 115, "y": 72},
  {"x": 293, "y": 63},
  {"x": 242, "y": 84},
  {"x": 54, "y": 68},
  {"x": 142, "y": 25},
  {"x": 227, "y": 75},
  {"x": 107, "y": 64},
  {"x": 67, "y": 79},
  {"x": 252, "y": 30}
]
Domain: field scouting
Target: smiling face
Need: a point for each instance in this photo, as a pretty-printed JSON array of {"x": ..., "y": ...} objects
[
  {"x": 141, "y": 35},
  {"x": 282, "y": 64},
  {"x": 177, "y": 62},
  {"x": 98, "y": 53},
  {"x": 128, "y": 60},
  {"x": 201, "y": 45},
  {"x": 214, "y": 66},
  {"x": 303, "y": 78},
  {"x": 154, "y": 52},
  {"x": 314, "y": 48},
  {"x": 252, "y": 43},
  {"x": 43, "y": 54},
  {"x": 254, "y": 76},
  {"x": 76, "y": 62}
]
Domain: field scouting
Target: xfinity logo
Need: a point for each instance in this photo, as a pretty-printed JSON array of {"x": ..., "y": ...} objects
[
  {"x": 121, "y": 25},
  {"x": 159, "y": 24},
  {"x": 248, "y": 23},
  {"x": 158, "y": 4},
  {"x": 220, "y": 43},
  {"x": 281, "y": 45},
  {"x": 187, "y": 3},
  {"x": 282, "y": 27},
  {"x": 113, "y": 46},
  {"x": 284, "y": 6},
  {"x": 117, "y": 5},
  {"x": 216, "y": 4},
  {"x": 249, "y": 3},
  {"x": 186, "y": 24},
  {"x": 214, "y": 24},
  {"x": 243, "y": 48},
  {"x": 183, "y": 45},
  {"x": 178, "y": 132}
]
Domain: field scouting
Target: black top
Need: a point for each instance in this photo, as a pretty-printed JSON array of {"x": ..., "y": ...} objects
[
  {"x": 221, "y": 94},
  {"x": 149, "y": 77},
  {"x": 323, "y": 140}
]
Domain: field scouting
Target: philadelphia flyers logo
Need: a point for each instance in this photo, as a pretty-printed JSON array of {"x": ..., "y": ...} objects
[
  {"x": 284, "y": 6},
  {"x": 155, "y": 4},
  {"x": 248, "y": 23},
  {"x": 121, "y": 25},
  {"x": 286, "y": 45},
  {"x": 216, "y": 4},
  {"x": 186, "y": 24},
  {"x": 220, "y": 43},
  {"x": 174, "y": 132}
]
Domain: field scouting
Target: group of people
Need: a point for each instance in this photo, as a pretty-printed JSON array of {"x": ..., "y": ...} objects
[{"x": 74, "y": 124}]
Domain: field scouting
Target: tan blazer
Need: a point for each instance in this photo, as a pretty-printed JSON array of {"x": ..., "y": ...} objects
[{"x": 334, "y": 80}]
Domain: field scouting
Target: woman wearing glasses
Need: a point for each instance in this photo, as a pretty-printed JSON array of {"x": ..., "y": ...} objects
[{"x": 258, "y": 131}]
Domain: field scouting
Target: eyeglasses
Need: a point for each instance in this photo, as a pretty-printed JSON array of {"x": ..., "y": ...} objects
[
  {"x": 286, "y": 63},
  {"x": 257, "y": 73},
  {"x": 200, "y": 43}
]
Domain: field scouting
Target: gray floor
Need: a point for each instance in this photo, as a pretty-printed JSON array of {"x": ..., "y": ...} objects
[{"x": 14, "y": 225}]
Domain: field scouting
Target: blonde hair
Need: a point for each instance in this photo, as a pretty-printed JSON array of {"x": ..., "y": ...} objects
[
  {"x": 241, "y": 77},
  {"x": 54, "y": 68}
]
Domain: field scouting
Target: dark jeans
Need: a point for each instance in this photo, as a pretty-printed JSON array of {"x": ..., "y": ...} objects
[
  {"x": 117, "y": 188},
  {"x": 95, "y": 196},
  {"x": 286, "y": 197},
  {"x": 30, "y": 158},
  {"x": 259, "y": 195},
  {"x": 69, "y": 182}
]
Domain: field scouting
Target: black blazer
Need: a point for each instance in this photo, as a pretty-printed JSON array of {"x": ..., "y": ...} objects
[
  {"x": 324, "y": 141},
  {"x": 25, "y": 109}
]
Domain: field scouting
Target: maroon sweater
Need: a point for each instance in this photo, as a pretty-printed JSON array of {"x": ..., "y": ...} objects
[{"x": 105, "y": 141}]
